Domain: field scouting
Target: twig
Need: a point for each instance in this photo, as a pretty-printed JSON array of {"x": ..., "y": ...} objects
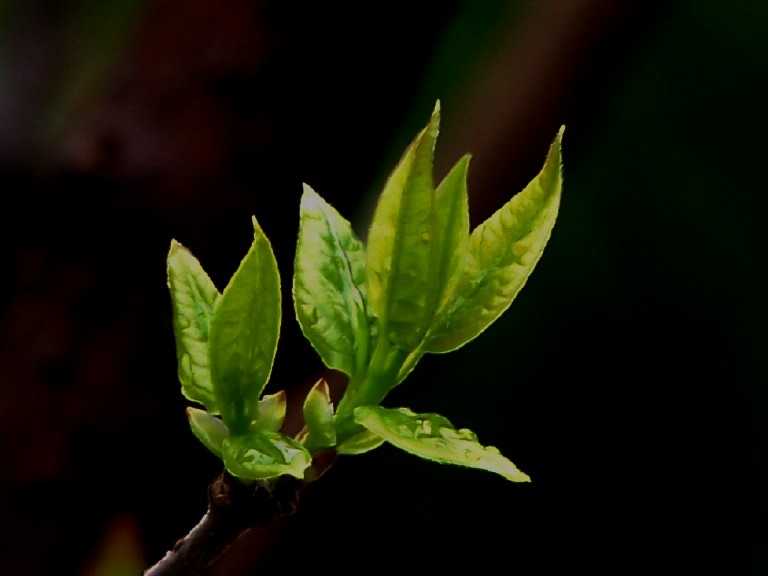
[{"x": 233, "y": 509}]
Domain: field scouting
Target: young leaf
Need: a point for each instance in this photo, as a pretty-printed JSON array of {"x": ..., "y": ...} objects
[
  {"x": 401, "y": 289},
  {"x": 259, "y": 455},
  {"x": 193, "y": 297},
  {"x": 452, "y": 230},
  {"x": 270, "y": 412},
  {"x": 208, "y": 428},
  {"x": 329, "y": 291},
  {"x": 501, "y": 255},
  {"x": 244, "y": 332},
  {"x": 433, "y": 437},
  {"x": 318, "y": 418},
  {"x": 390, "y": 364}
]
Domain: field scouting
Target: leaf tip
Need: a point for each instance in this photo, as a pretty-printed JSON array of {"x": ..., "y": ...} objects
[
  {"x": 310, "y": 200},
  {"x": 174, "y": 248},
  {"x": 555, "y": 153},
  {"x": 436, "y": 110},
  {"x": 434, "y": 120},
  {"x": 516, "y": 475},
  {"x": 321, "y": 386}
]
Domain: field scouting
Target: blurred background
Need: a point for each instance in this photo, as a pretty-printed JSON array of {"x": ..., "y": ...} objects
[{"x": 628, "y": 379}]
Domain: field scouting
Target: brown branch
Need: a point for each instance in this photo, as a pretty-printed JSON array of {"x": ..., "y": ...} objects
[{"x": 233, "y": 509}]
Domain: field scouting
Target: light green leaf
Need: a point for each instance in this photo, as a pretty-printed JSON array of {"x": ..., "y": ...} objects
[
  {"x": 401, "y": 289},
  {"x": 193, "y": 297},
  {"x": 452, "y": 229},
  {"x": 259, "y": 455},
  {"x": 318, "y": 418},
  {"x": 244, "y": 333},
  {"x": 360, "y": 443},
  {"x": 501, "y": 255},
  {"x": 209, "y": 429},
  {"x": 270, "y": 412},
  {"x": 329, "y": 291},
  {"x": 433, "y": 437}
]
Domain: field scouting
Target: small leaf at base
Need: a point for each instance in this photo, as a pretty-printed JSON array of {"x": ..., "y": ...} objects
[
  {"x": 318, "y": 418},
  {"x": 270, "y": 413},
  {"x": 259, "y": 455},
  {"x": 209, "y": 429}
]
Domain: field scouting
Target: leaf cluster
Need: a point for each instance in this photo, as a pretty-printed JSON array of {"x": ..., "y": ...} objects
[{"x": 423, "y": 283}]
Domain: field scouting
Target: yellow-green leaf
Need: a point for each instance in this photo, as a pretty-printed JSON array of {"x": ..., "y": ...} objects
[
  {"x": 259, "y": 455},
  {"x": 433, "y": 437},
  {"x": 209, "y": 429},
  {"x": 244, "y": 332},
  {"x": 318, "y": 418},
  {"x": 402, "y": 292},
  {"x": 270, "y": 412},
  {"x": 501, "y": 255},
  {"x": 329, "y": 290},
  {"x": 193, "y": 298},
  {"x": 452, "y": 229}
]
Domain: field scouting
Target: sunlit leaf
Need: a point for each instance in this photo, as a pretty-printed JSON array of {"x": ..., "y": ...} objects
[
  {"x": 270, "y": 412},
  {"x": 433, "y": 437},
  {"x": 193, "y": 298},
  {"x": 402, "y": 291},
  {"x": 329, "y": 288},
  {"x": 318, "y": 418},
  {"x": 501, "y": 255},
  {"x": 260, "y": 454},
  {"x": 209, "y": 429},
  {"x": 244, "y": 333}
]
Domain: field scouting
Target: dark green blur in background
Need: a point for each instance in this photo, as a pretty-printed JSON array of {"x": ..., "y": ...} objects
[{"x": 628, "y": 379}]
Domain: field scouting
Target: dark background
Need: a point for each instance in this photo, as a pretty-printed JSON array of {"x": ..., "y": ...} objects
[{"x": 628, "y": 378}]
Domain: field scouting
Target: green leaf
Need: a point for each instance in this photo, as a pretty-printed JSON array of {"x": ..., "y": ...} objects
[
  {"x": 501, "y": 255},
  {"x": 259, "y": 455},
  {"x": 244, "y": 333},
  {"x": 318, "y": 418},
  {"x": 433, "y": 437},
  {"x": 270, "y": 412},
  {"x": 329, "y": 289},
  {"x": 402, "y": 291},
  {"x": 452, "y": 230},
  {"x": 193, "y": 298},
  {"x": 360, "y": 443},
  {"x": 208, "y": 428}
]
